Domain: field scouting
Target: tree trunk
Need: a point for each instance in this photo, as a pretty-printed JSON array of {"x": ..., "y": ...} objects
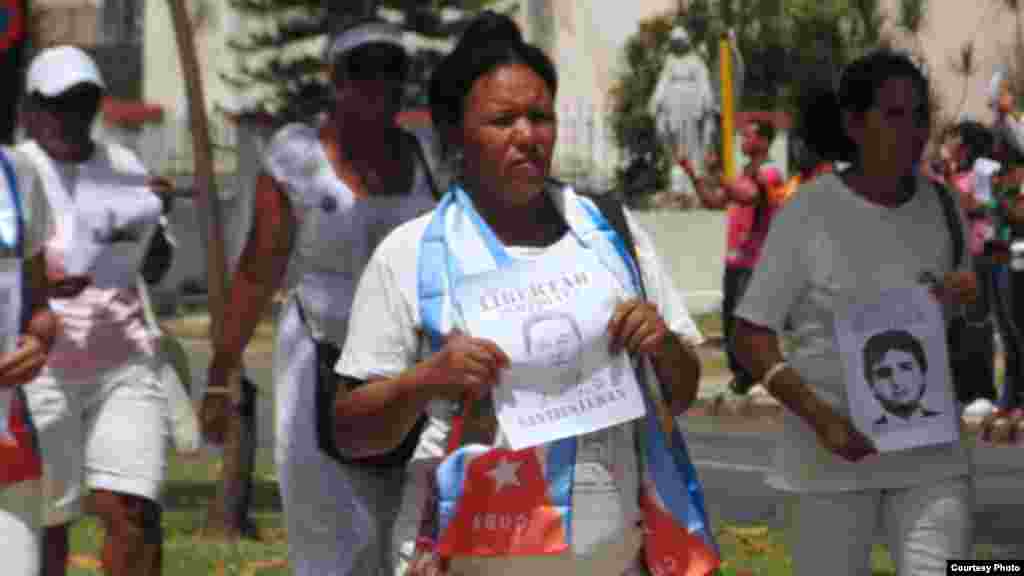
[{"x": 228, "y": 515}]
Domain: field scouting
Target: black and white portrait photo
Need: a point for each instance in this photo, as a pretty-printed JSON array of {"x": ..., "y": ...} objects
[
  {"x": 896, "y": 370},
  {"x": 554, "y": 339}
]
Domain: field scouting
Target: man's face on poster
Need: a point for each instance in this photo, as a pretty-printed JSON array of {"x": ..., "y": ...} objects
[
  {"x": 555, "y": 343},
  {"x": 897, "y": 379}
]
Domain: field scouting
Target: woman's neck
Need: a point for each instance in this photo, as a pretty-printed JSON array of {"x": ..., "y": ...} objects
[
  {"x": 535, "y": 223},
  {"x": 884, "y": 190}
]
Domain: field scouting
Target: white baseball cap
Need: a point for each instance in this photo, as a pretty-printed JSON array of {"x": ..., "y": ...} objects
[
  {"x": 372, "y": 32},
  {"x": 55, "y": 70}
]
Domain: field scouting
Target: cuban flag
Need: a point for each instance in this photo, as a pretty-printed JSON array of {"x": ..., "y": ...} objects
[
  {"x": 19, "y": 459},
  {"x": 678, "y": 539},
  {"x": 499, "y": 502}
]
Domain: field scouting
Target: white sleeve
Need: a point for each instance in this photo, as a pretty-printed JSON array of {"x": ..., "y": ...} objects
[
  {"x": 36, "y": 211},
  {"x": 660, "y": 289},
  {"x": 382, "y": 339},
  {"x": 781, "y": 273},
  {"x": 290, "y": 159}
]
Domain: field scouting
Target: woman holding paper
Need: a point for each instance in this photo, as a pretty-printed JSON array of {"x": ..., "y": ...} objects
[
  {"x": 99, "y": 405},
  {"x": 29, "y": 329},
  {"x": 331, "y": 190},
  {"x": 415, "y": 345},
  {"x": 876, "y": 226}
]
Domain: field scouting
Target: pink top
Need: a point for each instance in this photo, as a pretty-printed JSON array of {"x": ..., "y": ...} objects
[
  {"x": 980, "y": 225},
  {"x": 95, "y": 202},
  {"x": 748, "y": 225}
]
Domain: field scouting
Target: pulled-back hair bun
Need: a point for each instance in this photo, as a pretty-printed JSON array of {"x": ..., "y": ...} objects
[
  {"x": 491, "y": 41},
  {"x": 490, "y": 28}
]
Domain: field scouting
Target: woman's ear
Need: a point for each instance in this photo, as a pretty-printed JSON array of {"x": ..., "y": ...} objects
[{"x": 853, "y": 126}]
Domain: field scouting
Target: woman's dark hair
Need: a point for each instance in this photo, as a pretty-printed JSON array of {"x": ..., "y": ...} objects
[
  {"x": 977, "y": 139},
  {"x": 880, "y": 344},
  {"x": 491, "y": 40},
  {"x": 820, "y": 123}
]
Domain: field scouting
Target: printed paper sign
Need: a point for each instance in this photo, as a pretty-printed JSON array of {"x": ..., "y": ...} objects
[
  {"x": 551, "y": 320},
  {"x": 896, "y": 367}
]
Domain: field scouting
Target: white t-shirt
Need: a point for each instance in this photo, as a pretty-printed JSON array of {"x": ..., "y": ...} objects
[
  {"x": 386, "y": 340},
  {"x": 336, "y": 231},
  {"x": 828, "y": 242},
  {"x": 106, "y": 202}
]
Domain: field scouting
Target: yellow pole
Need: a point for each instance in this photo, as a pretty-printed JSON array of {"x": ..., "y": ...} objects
[{"x": 728, "y": 109}]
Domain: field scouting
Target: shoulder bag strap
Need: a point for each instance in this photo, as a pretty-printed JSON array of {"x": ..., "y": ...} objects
[{"x": 422, "y": 156}]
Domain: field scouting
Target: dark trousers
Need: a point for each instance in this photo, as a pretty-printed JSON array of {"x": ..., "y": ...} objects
[
  {"x": 734, "y": 284},
  {"x": 1010, "y": 311},
  {"x": 977, "y": 345}
]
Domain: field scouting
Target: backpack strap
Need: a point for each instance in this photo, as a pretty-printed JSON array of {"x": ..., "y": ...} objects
[
  {"x": 614, "y": 213},
  {"x": 422, "y": 156}
]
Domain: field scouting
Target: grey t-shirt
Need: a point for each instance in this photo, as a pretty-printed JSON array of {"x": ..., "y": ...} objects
[{"x": 826, "y": 244}]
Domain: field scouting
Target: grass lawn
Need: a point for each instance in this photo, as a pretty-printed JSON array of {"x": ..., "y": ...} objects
[{"x": 192, "y": 483}]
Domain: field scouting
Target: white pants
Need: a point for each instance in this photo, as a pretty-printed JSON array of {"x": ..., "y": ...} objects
[
  {"x": 20, "y": 521},
  {"x": 109, "y": 432},
  {"x": 339, "y": 518},
  {"x": 924, "y": 526}
]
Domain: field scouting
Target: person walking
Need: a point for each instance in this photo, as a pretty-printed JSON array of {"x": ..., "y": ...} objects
[
  {"x": 330, "y": 191},
  {"x": 752, "y": 199},
  {"x": 99, "y": 406},
  {"x": 875, "y": 226},
  {"x": 410, "y": 352}
]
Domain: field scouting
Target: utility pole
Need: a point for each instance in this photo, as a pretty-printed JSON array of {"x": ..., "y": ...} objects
[{"x": 228, "y": 515}]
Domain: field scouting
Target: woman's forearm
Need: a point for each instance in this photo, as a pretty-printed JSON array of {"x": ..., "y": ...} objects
[
  {"x": 375, "y": 417},
  {"x": 42, "y": 321},
  {"x": 261, "y": 269},
  {"x": 252, "y": 289},
  {"x": 759, "y": 351},
  {"x": 678, "y": 370}
]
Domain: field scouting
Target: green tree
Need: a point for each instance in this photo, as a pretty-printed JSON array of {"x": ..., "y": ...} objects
[
  {"x": 280, "y": 64},
  {"x": 789, "y": 47}
]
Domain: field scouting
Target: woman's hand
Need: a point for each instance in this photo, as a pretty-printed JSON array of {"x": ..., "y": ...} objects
[
  {"x": 637, "y": 327},
  {"x": 25, "y": 363},
  {"x": 164, "y": 189},
  {"x": 838, "y": 435},
  {"x": 957, "y": 288},
  {"x": 1003, "y": 427},
  {"x": 62, "y": 284},
  {"x": 467, "y": 368}
]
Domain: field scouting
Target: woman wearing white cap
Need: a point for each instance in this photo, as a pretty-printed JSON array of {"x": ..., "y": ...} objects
[
  {"x": 99, "y": 405},
  {"x": 330, "y": 192}
]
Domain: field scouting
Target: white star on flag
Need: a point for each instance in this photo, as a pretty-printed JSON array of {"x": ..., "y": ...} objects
[{"x": 504, "y": 474}]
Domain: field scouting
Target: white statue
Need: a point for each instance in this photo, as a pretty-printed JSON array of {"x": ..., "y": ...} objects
[{"x": 683, "y": 103}]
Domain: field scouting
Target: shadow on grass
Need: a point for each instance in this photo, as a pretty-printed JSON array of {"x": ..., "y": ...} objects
[{"x": 184, "y": 495}]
